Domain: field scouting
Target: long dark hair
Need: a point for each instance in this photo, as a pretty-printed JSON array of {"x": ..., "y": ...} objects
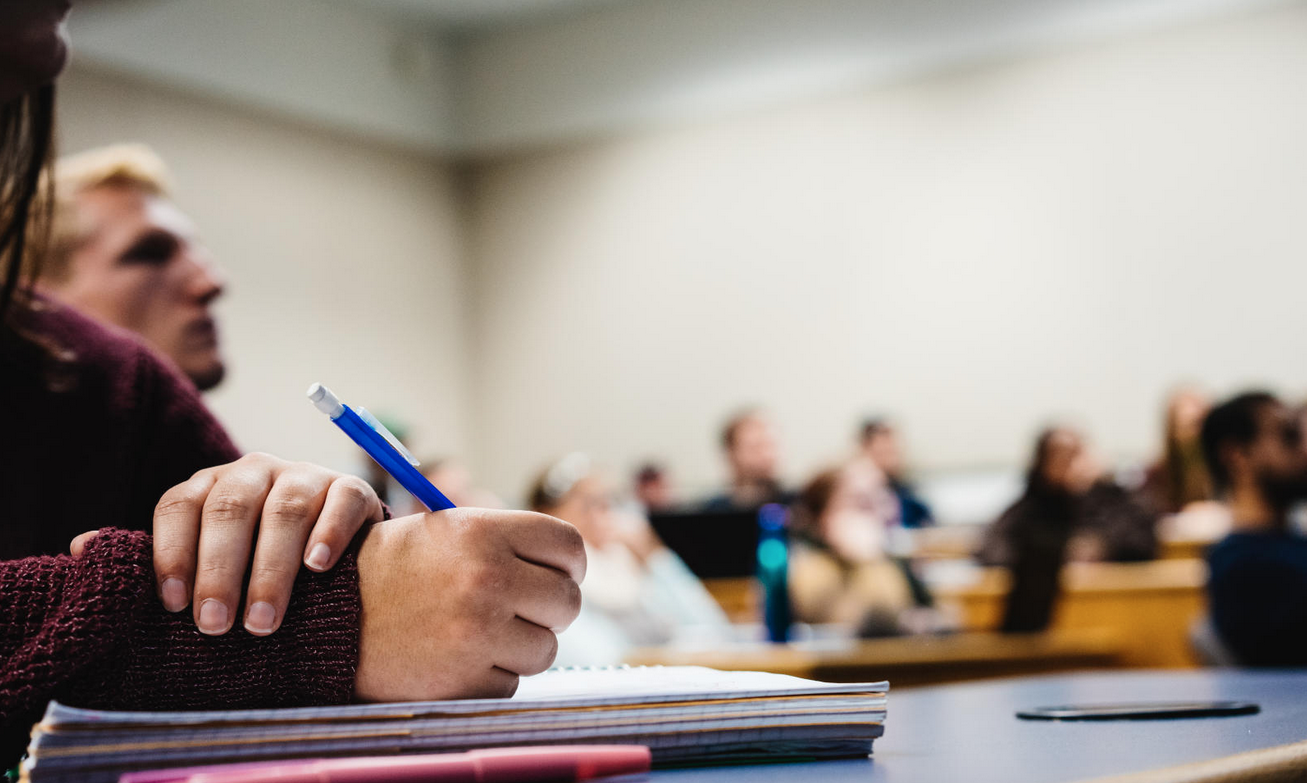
[
  {"x": 1037, "y": 484},
  {"x": 26, "y": 150}
]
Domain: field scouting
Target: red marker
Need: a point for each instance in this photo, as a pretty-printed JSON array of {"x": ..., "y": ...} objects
[{"x": 563, "y": 763}]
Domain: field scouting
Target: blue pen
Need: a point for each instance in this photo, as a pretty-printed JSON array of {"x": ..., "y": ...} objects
[{"x": 381, "y": 445}]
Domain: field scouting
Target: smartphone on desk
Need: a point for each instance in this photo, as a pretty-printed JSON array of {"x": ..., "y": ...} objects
[{"x": 1141, "y": 710}]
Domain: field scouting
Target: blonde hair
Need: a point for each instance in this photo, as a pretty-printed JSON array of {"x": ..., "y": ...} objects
[{"x": 134, "y": 166}]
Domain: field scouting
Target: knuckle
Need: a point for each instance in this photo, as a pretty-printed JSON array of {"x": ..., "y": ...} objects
[
  {"x": 179, "y": 499},
  {"x": 293, "y": 506},
  {"x": 172, "y": 553},
  {"x": 572, "y": 598},
  {"x": 272, "y": 572},
  {"x": 548, "y": 652},
  {"x": 224, "y": 505},
  {"x": 573, "y": 541},
  {"x": 214, "y": 571},
  {"x": 173, "y": 503},
  {"x": 354, "y": 489}
]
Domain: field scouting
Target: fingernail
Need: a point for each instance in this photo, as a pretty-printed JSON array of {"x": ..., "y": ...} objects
[
  {"x": 213, "y": 616},
  {"x": 260, "y": 617},
  {"x": 318, "y": 557},
  {"x": 173, "y": 594}
]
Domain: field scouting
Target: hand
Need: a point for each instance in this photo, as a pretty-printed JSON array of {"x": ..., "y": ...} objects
[
  {"x": 635, "y": 532},
  {"x": 458, "y": 604},
  {"x": 204, "y": 527}
]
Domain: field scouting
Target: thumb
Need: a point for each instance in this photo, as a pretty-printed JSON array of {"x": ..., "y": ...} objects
[{"x": 79, "y": 544}]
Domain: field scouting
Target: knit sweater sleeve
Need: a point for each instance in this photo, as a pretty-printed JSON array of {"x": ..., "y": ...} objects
[{"x": 91, "y": 633}]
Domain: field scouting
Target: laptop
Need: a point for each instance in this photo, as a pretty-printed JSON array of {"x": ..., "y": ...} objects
[{"x": 714, "y": 544}]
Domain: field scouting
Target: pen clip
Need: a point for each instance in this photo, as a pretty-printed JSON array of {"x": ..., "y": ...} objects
[{"x": 381, "y": 430}]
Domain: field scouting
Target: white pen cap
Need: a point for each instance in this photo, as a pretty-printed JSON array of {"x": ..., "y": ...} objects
[{"x": 325, "y": 401}]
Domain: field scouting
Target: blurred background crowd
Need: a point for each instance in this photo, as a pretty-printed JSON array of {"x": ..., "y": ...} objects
[{"x": 977, "y": 281}]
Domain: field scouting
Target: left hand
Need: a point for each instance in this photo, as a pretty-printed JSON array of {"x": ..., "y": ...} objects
[{"x": 204, "y": 528}]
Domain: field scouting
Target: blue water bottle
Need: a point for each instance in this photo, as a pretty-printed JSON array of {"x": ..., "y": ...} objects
[{"x": 773, "y": 571}]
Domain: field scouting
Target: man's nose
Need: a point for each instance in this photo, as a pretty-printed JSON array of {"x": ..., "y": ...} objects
[{"x": 207, "y": 281}]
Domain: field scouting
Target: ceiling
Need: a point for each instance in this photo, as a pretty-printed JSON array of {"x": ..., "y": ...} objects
[
  {"x": 455, "y": 15},
  {"x": 482, "y": 77}
]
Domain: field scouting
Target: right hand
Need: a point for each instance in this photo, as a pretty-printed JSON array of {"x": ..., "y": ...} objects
[{"x": 458, "y": 604}]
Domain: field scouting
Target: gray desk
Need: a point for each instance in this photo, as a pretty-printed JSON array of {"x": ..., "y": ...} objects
[{"x": 968, "y": 734}]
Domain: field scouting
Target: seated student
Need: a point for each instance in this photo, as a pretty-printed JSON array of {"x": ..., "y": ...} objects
[
  {"x": 1257, "y": 586},
  {"x": 1179, "y": 486},
  {"x": 752, "y": 454},
  {"x": 839, "y": 569},
  {"x": 123, "y": 253},
  {"x": 1180, "y": 477},
  {"x": 90, "y": 631},
  {"x": 652, "y": 488},
  {"x": 637, "y": 592},
  {"x": 879, "y": 442},
  {"x": 1069, "y": 511},
  {"x": 454, "y": 479}
]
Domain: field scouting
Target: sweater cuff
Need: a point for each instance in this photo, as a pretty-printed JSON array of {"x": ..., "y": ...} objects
[
  {"x": 324, "y": 615},
  {"x": 162, "y": 662}
]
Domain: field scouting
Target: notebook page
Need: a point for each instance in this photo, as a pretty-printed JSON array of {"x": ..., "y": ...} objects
[{"x": 601, "y": 685}]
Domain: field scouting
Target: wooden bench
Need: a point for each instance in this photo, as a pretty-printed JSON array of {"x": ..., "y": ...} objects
[{"x": 1150, "y": 607}]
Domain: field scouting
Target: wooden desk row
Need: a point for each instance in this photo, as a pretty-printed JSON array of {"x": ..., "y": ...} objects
[
  {"x": 1150, "y": 606},
  {"x": 1109, "y": 614}
]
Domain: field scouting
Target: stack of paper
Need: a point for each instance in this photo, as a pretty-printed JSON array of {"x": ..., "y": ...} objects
[{"x": 686, "y": 715}]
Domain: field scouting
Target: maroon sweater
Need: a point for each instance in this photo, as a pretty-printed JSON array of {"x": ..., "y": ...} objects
[
  {"x": 97, "y": 428},
  {"x": 90, "y": 632}
]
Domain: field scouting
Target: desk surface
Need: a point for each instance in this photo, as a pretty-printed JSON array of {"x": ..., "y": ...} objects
[{"x": 968, "y": 733}]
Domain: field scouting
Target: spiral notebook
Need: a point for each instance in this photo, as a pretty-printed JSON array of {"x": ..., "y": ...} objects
[{"x": 686, "y": 714}]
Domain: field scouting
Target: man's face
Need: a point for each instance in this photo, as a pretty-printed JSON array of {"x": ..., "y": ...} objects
[
  {"x": 883, "y": 448},
  {"x": 140, "y": 267},
  {"x": 1277, "y": 457},
  {"x": 753, "y": 455}
]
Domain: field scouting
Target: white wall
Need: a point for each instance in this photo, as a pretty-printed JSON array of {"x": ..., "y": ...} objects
[
  {"x": 973, "y": 252},
  {"x": 344, "y": 264}
]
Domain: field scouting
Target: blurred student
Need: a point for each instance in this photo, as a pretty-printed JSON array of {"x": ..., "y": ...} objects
[
  {"x": 1180, "y": 478},
  {"x": 455, "y": 480},
  {"x": 840, "y": 571},
  {"x": 97, "y": 418},
  {"x": 1070, "y": 511},
  {"x": 752, "y": 453},
  {"x": 637, "y": 592},
  {"x": 1257, "y": 586},
  {"x": 652, "y": 488},
  {"x": 121, "y": 251},
  {"x": 879, "y": 442}
]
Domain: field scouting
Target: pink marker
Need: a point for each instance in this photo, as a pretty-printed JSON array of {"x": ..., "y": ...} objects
[{"x": 564, "y": 763}]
